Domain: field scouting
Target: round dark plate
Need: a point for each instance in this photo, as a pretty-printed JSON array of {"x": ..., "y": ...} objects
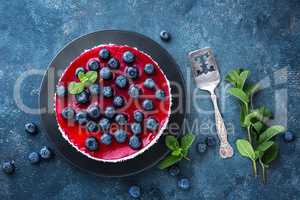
[{"x": 62, "y": 60}]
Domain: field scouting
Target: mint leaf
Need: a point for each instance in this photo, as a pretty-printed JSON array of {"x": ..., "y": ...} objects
[
  {"x": 251, "y": 89},
  {"x": 258, "y": 126},
  {"x": 169, "y": 161},
  {"x": 177, "y": 152},
  {"x": 75, "y": 88},
  {"x": 270, "y": 133},
  {"x": 233, "y": 77},
  {"x": 245, "y": 149},
  {"x": 171, "y": 142},
  {"x": 88, "y": 78},
  {"x": 242, "y": 78},
  {"x": 264, "y": 146},
  {"x": 240, "y": 94},
  {"x": 270, "y": 154},
  {"x": 186, "y": 141},
  {"x": 81, "y": 77}
]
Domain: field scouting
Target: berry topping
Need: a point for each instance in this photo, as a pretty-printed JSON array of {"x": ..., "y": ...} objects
[
  {"x": 120, "y": 135},
  {"x": 138, "y": 116},
  {"x": 121, "y": 81},
  {"x": 128, "y": 57},
  {"x": 83, "y": 97},
  {"x": 136, "y": 128},
  {"x": 134, "y": 191},
  {"x": 104, "y": 54},
  {"x": 113, "y": 63},
  {"x": 106, "y": 139},
  {"x": 104, "y": 124},
  {"x": 31, "y": 128},
  {"x": 107, "y": 91},
  {"x": 105, "y": 73},
  {"x": 118, "y": 101},
  {"x": 174, "y": 170},
  {"x": 134, "y": 91},
  {"x": 92, "y": 127},
  {"x": 149, "y": 83},
  {"x": 110, "y": 112},
  {"x": 79, "y": 70},
  {"x": 68, "y": 113},
  {"x": 148, "y": 105},
  {"x": 160, "y": 94},
  {"x": 183, "y": 183},
  {"x": 211, "y": 141},
  {"x": 93, "y": 65},
  {"x": 61, "y": 91},
  {"x": 8, "y": 167},
  {"x": 132, "y": 72},
  {"x": 165, "y": 36},
  {"x": 134, "y": 142},
  {"x": 34, "y": 158},
  {"x": 121, "y": 119},
  {"x": 288, "y": 136},
  {"x": 82, "y": 117},
  {"x": 94, "y": 89},
  {"x": 45, "y": 153},
  {"x": 149, "y": 69},
  {"x": 201, "y": 147},
  {"x": 94, "y": 111},
  {"x": 151, "y": 124},
  {"x": 91, "y": 144}
]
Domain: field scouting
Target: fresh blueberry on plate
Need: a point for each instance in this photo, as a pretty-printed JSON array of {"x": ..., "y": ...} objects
[
  {"x": 134, "y": 91},
  {"x": 128, "y": 57},
  {"x": 149, "y": 83},
  {"x": 79, "y": 70},
  {"x": 138, "y": 116},
  {"x": 174, "y": 170},
  {"x": 160, "y": 94},
  {"x": 92, "y": 127},
  {"x": 113, "y": 63},
  {"x": 149, "y": 69},
  {"x": 135, "y": 142},
  {"x": 105, "y": 73},
  {"x": 201, "y": 147},
  {"x": 151, "y": 124},
  {"x": 107, "y": 92},
  {"x": 34, "y": 158},
  {"x": 165, "y": 36},
  {"x": 118, "y": 101},
  {"x": 120, "y": 135},
  {"x": 68, "y": 113},
  {"x": 91, "y": 144},
  {"x": 104, "y": 54},
  {"x": 104, "y": 124},
  {"x": 82, "y": 117},
  {"x": 132, "y": 72},
  {"x": 134, "y": 191},
  {"x": 83, "y": 97},
  {"x": 136, "y": 128},
  {"x": 183, "y": 183},
  {"x": 121, "y": 119},
  {"x": 94, "y": 111},
  {"x": 121, "y": 81},
  {"x": 45, "y": 153},
  {"x": 110, "y": 112},
  {"x": 148, "y": 105},
  {"x": 31, "y": 128},
  {"x": 61, "y": 91},
  {"x": 94, "y": 89},
  {"x": 106, "y": 139},
  {"x": 8, "y": 167},
  {"x": 288, "y": 136},
  {"x": 93, "y": 65}
]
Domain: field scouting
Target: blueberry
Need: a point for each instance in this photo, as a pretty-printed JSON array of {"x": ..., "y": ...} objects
[
  {"x": 121, "y": 119},
  {"x": 104, "y": 124},
  {"x": 105, "y": 73},
  {"x": 92, "y": 126},
  {"x": 110, "y": 112},
  {"x": 151, "y": 124},
  {"x": 165, "y": 36},
  {"x": 106, "y": 139},
  {"x": 8, "y": 167},
  {"x": 148, "y": 105},
  {"x": 68, "y": 113},
  {"x": 288, "y": 136},
  {"x": 91, "y": 144},
  {"x": 160, "y": 94},
  {"x": 45, "y": 153},
  {"x": 184, "y": 183},
  {"x": 79, "y": 70},
  {"x": 113, "y": 63},
  {"x": 134, "y": 91},
  {"x": 121, "y": 81},
  {"x": 210, "y": 141},
  {"x": 107, "y": 91},
  {"x": 136, "y": 128},
  {"x": 120, "y": 135},
  {"x": 118, "y": 101},
  {"x": 61, "y": 91},
  {"x": 94, "y": 89},
  {"x": 93, "y": 65},
  {"x": 128, "y": 57},
  {"x": 132, "y": 72},
  {"x": 94, "y": 111},
  {"x": 149, "y": 69},
  {"x": 83, "y": 97},
  {"x": 149, "y": 83},
  {"x": 134, "y": 191},
  {"x": 174, "y": 170},
  {"x": 201, "y": 147},
  {"x": 34, "y": 158},
  {"x": 104, "y": 54},
  {"x": 82, "y": 118},
  {"x": 31, "y": 128},
  {"x": 138, "y": 116}
]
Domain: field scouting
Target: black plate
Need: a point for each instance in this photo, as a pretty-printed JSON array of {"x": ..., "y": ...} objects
[{"x": 62, "y": 60}]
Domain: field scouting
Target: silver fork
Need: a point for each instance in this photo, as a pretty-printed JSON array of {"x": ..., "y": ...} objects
[{"x": 207, "y": 77}]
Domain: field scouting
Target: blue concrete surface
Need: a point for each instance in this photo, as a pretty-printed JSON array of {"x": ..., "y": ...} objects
[{"x": 260, "y": 35}]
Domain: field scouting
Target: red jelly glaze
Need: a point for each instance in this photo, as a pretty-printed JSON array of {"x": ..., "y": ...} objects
[{"x": 77, "y": 135}]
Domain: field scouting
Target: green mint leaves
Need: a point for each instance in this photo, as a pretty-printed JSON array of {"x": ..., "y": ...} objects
[
  {"x": 260, "y": 145},
  {"x": 86, "y": 79},
  {"x": 178, "y": 151}
]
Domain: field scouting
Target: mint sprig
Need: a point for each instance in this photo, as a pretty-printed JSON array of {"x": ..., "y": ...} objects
[
  {"x": 178, "y": 150},
  {"x": 86, "y": 79},
  {"x": 260, "y": 144}
]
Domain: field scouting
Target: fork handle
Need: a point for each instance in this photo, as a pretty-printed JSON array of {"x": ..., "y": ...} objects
[{"x": 226, "y": 150}]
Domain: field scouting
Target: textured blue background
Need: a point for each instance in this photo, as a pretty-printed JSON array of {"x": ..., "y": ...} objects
[{"x": 261, "y": 35}]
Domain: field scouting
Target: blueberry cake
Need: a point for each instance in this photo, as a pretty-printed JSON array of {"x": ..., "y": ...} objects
[{"x": 112, "y": 102}]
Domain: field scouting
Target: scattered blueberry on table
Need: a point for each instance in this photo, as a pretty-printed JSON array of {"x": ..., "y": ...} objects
[
  {"x": 134, "y": 191},
  {"x": 174, "y": 170},
  {"x": 8, "y": 167},
  {"x": 211, "y": 141},
  {"x": 165, "y": 36},
  {"x": 288, "y": 136},
  {"x": 201, "y": 147},
  {"x": 183, "y": 183},
  {"x": 31, "y": 128},
  {"x": 34, "y": 158},
  {"x": 45, "y": 153}
]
